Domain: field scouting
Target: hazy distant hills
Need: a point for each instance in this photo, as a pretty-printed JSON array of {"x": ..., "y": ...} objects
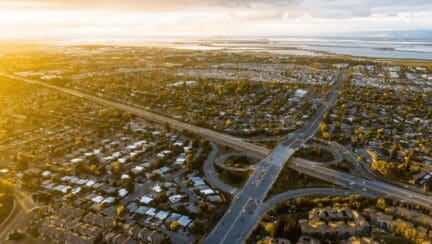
[
  {"x": 411, "y": 35},
  {"x": 421, "y": 35}
]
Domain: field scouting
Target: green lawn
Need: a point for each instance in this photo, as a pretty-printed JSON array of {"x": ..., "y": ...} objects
[
  {"x": 289, "y": 179},
  {"x": 239, "y": 161},
  {"x": 235, "y": 179},
  {"x": 314, "y": 154}
]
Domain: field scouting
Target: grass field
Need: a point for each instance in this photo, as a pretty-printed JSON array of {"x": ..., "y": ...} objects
[
  {"x": 315, "y": 154},
  {"x": 291, "y": 180},
  {"x": 235, "y": 179}
]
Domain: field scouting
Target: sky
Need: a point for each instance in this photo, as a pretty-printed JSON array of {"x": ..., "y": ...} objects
[{"x": 122, "y": 19}]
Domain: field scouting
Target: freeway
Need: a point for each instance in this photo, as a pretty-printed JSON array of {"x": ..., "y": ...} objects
[
  {"x": 368, "y": 172},
  {"x": 217, "y": 137},
  {"x": 251, "y": 220},
  {"x": 262, "y": 179},
  {"x": 252, "y": 195},
  {"x": 352, "y": 158},
  {"x": 231, "y": 226},
  {"x": 20, "y": 215},
  {"x": 356, "y": 185},
  {"x": 374, "y": 187}
]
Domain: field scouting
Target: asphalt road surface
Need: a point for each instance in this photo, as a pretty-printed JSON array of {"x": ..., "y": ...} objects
[
  {"x": 230, "y": 227},
  {"x": 20, "y": 216},
  {"x": 250, "y": 221},
  {"x": 211, "y": 174},
  {"x": 367, "y": 172},
  {"x": 263, "y": 178},
  {"x": 352, "y": 158},
  {"x": 374, "y": 187}
]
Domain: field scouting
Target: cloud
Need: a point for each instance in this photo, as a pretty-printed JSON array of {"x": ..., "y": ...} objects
[
  {"x": 247, "y": 9},
  {"x": 208, "y": 17},
  {"x": 149, "y": 5}
]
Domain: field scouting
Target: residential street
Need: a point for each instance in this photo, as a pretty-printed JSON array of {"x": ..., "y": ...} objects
[
  {"x": 248, "y": 201},
  {"x": 230, "y": 227}
]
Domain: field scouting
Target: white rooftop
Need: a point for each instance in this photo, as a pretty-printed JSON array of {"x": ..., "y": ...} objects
[
  {"x": 151, "y": 212},
  {"x": 184, "y": 221},
  {"x": 98, "y": 199},
  {"x": 162, "y": 215},
  {"x": 146, "y": 200},
  {"x": 122, "y": 192},
  {"x": 109, "y": 200}
]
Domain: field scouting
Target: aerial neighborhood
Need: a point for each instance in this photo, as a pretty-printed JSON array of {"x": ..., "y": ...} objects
[{"x": 130, "y": 144}]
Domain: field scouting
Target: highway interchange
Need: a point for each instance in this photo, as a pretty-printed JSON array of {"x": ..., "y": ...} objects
[
  {"x": 252, "y": 220},
  {"x": 211, "y": 174},
  {"x": 20, "y": 215},
  {"x": 231, "y": 226},
  {"x": 250, "y": 199},
  {"x": 371, "y": 186}
]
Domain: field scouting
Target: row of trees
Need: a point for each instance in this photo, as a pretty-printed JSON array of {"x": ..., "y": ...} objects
[
  {"x": 392, "y": 170},
  {"x": 282, "y": 222}
]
